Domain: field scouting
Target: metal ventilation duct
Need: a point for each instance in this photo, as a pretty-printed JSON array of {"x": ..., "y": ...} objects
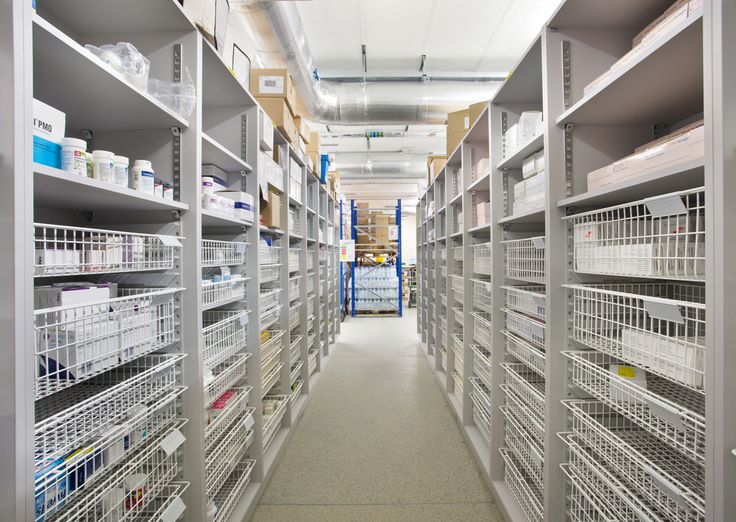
[{"x": 283, "y": 43}]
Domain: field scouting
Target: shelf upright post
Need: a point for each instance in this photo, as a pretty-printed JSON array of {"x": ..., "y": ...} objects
[
  {"x": 720, "y": 189},
  {"x": 354, "y": 233},
  {"x": 16, "y": 221},
  {"x": 341, "y": 274},
  {"x": 398, "y": 256}
]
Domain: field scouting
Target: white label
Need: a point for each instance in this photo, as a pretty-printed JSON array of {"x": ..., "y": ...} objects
[
  {"x": 667, "y": 206},
  {"x": 271, "y": 85},
  {"x": 174, "y": 511},
  {"x": 664, "y": 311},
  {"x": 538, "y": 242},
  {"x": 170, "y": 241},
  {"x": 347, "y": 250},
  {"x": 240, "y": 248},
  {"x": 172, "y": 442},
  {"x": 248, "y": 422},
  {"x": 243, "y": 319},
  {"x": 467, "y": 122}
]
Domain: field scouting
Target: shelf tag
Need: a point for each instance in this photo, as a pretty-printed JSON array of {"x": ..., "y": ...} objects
[
  {"x": 665, "y": 411},
  {"x": 243, "y": 319},
  {"x": 239, "y": 248},
  {"x": 172, "y": 442},
  {"x": 538, "y": 242},
  {"x": 666, "y": 206},
  {"x": 170, "y": 241},
  {"x": 174, "y": 511},
  {"x": 248, "y": 422},
  {"x": 664, "y": 311},
  {"x": 627, "y": 372}
]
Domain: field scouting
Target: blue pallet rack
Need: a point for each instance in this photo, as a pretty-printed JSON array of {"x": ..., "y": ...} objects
[{"x": 355, "y": 228}]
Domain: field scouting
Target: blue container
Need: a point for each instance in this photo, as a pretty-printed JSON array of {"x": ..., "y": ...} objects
[{"x": 325, "y": 165}]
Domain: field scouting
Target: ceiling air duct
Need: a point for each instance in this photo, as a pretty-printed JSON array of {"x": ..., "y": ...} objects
[{"x": 283, "y": 44}]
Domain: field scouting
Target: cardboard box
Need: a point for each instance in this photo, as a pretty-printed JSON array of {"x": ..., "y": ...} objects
[
  {"x": 302, "y": 128},
  {"x": 458, "y": 121},
  {"x": 434, "y": 165},
  {"x": 453, "y": 140},
  {"x": 528, "y": 124},
  {"x": 363, "y": 205},
  {"x": 265, "y": 128},
  {"x": 281, "y": 116},
  {"x": 244, "y": 205},
  {"x": 364, "y": 239},
  {"x": 49, "y": 126},
  {"x": 274, "y": 84},
  {"x": 476, "y": 110},
  {"x": 271, "y": 209},
  {"x": 483, "y": 213},
  {"x": 314, "y": 143},
  {"x": 511, "y": 140}
]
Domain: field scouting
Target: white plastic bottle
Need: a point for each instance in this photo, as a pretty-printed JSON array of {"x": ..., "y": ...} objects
[
  {"x": 120, "y": 169},
  {"x": 103, "y": 166},
  {"x": 142, "y": 176},
  {"x": 74, "y": 156}
]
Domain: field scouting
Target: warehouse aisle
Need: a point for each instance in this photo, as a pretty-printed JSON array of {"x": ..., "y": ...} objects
[{"x": 378, "y": 442}]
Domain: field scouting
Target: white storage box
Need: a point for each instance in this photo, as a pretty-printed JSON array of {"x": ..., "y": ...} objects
[
  {"x": 266, "y": 130},
  {"x": 244, "y": 204}
]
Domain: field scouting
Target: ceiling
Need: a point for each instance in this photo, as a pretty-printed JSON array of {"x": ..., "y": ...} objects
[{"x": 459, "y": 38}]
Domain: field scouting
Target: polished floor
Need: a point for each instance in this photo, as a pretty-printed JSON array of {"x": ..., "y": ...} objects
[{"x": 378, "y": 441}]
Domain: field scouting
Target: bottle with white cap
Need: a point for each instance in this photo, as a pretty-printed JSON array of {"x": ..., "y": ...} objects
[
  {"x": 102, "y": 165},
  {"x": 142, "y": 176},
  {"x": 121, "y": 170},
  {"x": 74, "y": 156}
]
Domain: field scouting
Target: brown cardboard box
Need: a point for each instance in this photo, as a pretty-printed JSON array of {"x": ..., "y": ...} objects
[
  {"x": 434, "y": 165},
  {"x": 302, "y": 128},
  {"x": 458, "y": 121},
  {"x": 313, "y": 145},
  {"x": 315, "y": 161},
  {"x": 381, "y": 234},
  {"x": 476, "y": 110},
  {"x": 274, "y": 84},
  {"x": 279, "y": 112},
  {"x": 363, "y": 204},
  {"x": 363, "y": 219},
  {"x": 453, "y": 140},
  {"x": 271, "y": 209},
  {"x": 364, "y": 239}
]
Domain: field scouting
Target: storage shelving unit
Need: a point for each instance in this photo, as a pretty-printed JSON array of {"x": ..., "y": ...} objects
[
  {"x": 373, "y": 287},
  {"x": 167, "y": 394},
  {"x": 593, "y": 380}
]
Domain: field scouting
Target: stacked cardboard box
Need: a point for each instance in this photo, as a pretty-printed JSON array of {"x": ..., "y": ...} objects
[
  {"x": 460, "y": 122},
  {"x": 530, "y": 125},
  {"x": 529, "y": 194},
  {"x": 434, "y": 166}
]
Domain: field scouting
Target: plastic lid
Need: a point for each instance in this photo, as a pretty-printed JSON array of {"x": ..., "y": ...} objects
[
  {"x": 142, "y": 163},
  {"x": 74, "y": 142},
  {"x": 103, "y": 154},
  {"x": 121, "y": 159}
]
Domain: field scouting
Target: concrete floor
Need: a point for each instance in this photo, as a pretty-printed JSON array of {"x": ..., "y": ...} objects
[{"x": 378, "y": 441}]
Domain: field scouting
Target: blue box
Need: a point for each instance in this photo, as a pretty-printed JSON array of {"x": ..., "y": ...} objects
[{"x": 46, "y": 152}]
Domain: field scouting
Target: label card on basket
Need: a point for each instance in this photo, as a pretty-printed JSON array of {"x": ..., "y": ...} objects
[
  {"x": 170, "y": 241},
  {"x": 172, "y": 442},
  {"x": 173, "y": 511}
]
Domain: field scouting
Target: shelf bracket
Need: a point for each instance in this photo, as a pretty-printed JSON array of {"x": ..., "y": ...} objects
[
  {"x": 177, "y": 63},
  {"x": 568, "y": 158},
  {"x": 176, "y": 157},
  {"x": 89, "y": 137},
  {"x": 243, "y": 136},
  {"x": 175, "y": 215},
  {"x": 505, "y": 192},
  {"x": 566, "y": 74}
]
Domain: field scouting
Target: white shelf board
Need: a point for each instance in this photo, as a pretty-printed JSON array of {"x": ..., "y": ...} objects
[
  {"x": 294, "y": 202},
  {"x": 215, "y": 153},
  {"x": 268, "y": 230},
  {"x": 219, "y": 87},
  {"x": 636, "y": 94},
  {"x": 530, "y": 216},
  {"x": 214, "y": 219},
  {"x": 478, "y": 182},
  {"x": 455, "y": 200},
  {"x": 480, "y": 228},
  {"x": 680, "y": 177},
  {"x": 94, "y": 96},
  {"x": 530, "y": 147},
  {"x": 54, "y": 188}
]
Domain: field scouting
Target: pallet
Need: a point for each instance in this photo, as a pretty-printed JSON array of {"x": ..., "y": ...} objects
[{"x": 377, "y": 312}]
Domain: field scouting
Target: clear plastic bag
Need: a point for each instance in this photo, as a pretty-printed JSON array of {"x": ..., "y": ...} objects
[
  {"x": 126, "y": 59},
  {"x": 179, "y": 97}
]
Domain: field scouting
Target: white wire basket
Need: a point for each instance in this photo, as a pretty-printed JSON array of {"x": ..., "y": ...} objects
[
  {"x": 528, "y": 389},
  {"x": 268, "y": 254},
  {"x": 295, "y": 352},
  {"x": 312, "y": 359},
  {"x": 220, "y": 294},
  {"x": 93, "y": 461},
  {"x": 271, "y": 376},
  {"x": 595, "y": 489},
  {"x": 296, "y": 369},
  {"x": 523, "y": 488},
  {"x": 67, "y": 420},
  {"x": 294, "y": 288},
  {"x": 457, "y": 349},
  {"x": 531, "y": 330},
  {"x": 671, "y": 483},
  {"x": 222, "y": 253},
  {"x": 223, "y": 335},
  {"x": 225, "y": 455},
  {"x": 482, "y": 328},
  {"x": 530, "y": 300},
  {"x": 443, "y": 321},
  {"x": 457, "y": 312},
  {"x": 482, "y": 395},
  {"x": 481, "y": 418},
  {"x": 660, "y": 237},
  {"x": 268, "y": 298},
  {"x": 271, "y": 345},
  {"x": 296, "y": 390},
  {"x": 76, "y": 342},
  {"x": 443, "y": 337},
  {"x": 482, "y": 258},
  {"x": 528, "y": 452},
  {"x": 221, "y": 419},
  {"x": 443, "y": 253},
  {"x": 482, "y": 366},
  {"x": 456, "y": 284},
  {"x": 293, "y": 260},
  {"x": 167, "y": 503},
  {"x": 232, "y": 489},
  {"x": 672, "y": 413},
  {"x": 457, "y": 253},
  {"x": 457, "y": 380},
  {"x": 274, "y": 407},
  {"x": 443, "y": 357},
  {"x": 128, "y": 487},
  {"x": 525, "y": 352},
  {"x": 64, "y": 250},
  {"x": 310, "y": 285},
  {"x": 269, "y": 317},
  {"x": 524, "y": 259},
  {"x": 659, "y": 327},
  {"x": 224, "y": 377},
  {"x": 482, "y": 295},
  {"x": 294, "y": 316},
  {"x": 269, "y": 273}
]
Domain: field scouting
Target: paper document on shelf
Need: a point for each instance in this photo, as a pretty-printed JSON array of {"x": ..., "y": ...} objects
[{"x": 347, "y": 250}]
